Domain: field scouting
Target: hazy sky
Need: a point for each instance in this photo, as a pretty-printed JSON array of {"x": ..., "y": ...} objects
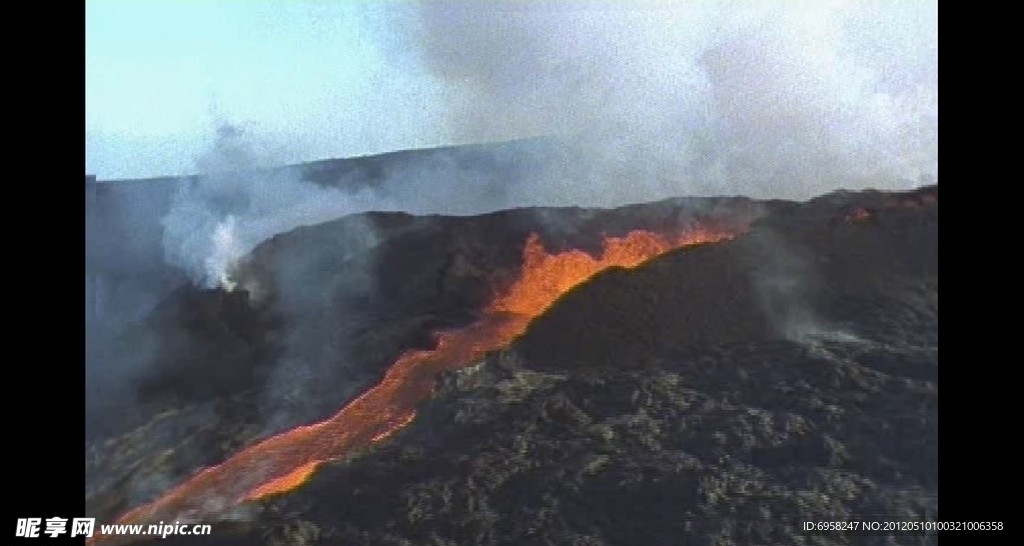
[
  {"x": 319, "y": 79},
  {"x": 310, "y": 77}
]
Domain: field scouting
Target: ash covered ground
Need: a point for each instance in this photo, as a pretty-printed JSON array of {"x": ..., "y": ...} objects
[{"x": 719, "y": 394}]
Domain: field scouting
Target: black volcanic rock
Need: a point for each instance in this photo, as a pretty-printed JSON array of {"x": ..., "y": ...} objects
[
  {"x": 797, "y": 273},
  {"x": 619, "y": 320},
  {"x": 319, "y": 314},
  {"x": 632, "y": 413},
  {"x": 718, "y": 394},
  {"x": 739, "y": 444}
]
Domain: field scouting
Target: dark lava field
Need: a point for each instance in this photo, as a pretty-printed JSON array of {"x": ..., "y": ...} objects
[{"x": 723, "y": 393}]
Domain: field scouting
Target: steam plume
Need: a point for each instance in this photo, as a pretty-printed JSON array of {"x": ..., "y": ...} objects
[
  {"x": 236, "y": 204},
  {"x": 769, "y": 99},
  {"x": 649, "y": 100}
]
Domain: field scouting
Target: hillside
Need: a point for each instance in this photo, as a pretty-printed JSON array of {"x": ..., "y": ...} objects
[{"x": 721, "y": 392}]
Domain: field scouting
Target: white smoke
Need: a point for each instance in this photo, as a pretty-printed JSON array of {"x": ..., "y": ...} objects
[
  {"x": 656, "y": 99},
  {"x": 226, "y": 249},
  {"x": 785, "y": 99},
  {"x": 236, "y": 203}
]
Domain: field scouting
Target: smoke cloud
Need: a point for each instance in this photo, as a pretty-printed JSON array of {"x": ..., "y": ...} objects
[
  {"x": 641, "y": 101},
  {"x": 768, "y": 99},
  {"x": 237, "y": 202}
]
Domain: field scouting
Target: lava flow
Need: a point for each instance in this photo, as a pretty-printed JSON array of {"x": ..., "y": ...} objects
[{"x": 285, "y": 461}]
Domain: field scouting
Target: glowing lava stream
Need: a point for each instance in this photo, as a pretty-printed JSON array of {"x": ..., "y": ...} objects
[{"x": 283, "y": 462}]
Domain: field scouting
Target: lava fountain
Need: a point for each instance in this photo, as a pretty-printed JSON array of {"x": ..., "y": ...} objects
[{"x": 284, "y": 462}]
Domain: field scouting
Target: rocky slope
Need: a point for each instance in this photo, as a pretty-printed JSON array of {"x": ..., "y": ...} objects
[{"x": 718, "y": 394}]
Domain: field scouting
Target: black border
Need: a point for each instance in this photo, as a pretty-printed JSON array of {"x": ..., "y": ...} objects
[
  {"x": 977, "y": 408},
  {"x": 43, "y": 241}
]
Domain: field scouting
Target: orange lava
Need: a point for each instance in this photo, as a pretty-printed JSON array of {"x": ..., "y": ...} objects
[
  {"x": 284, "y": 483},
  {"x": 286, "y": 461}
]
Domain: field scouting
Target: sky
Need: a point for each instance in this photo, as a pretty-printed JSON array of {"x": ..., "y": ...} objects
[
  {"x": 853, "y": 83},
  {"x": 311, "y": 78}
]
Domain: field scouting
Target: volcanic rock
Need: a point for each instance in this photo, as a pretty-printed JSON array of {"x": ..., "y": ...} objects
[{"x": 721, "y": 393}]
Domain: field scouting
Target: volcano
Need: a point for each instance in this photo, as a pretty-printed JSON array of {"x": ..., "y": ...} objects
[{"x": 695, "y": 370}]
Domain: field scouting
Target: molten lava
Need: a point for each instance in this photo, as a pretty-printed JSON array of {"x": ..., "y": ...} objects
[{"x": 284, "y": 462}]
